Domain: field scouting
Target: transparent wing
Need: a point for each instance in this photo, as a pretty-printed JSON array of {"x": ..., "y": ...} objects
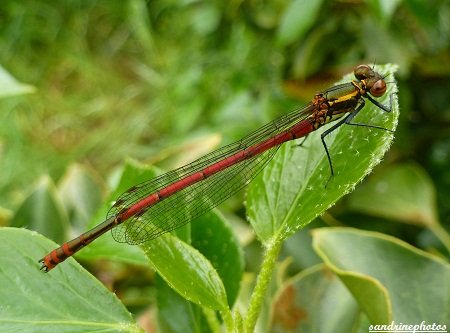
[{"x": 184, "y": 206}]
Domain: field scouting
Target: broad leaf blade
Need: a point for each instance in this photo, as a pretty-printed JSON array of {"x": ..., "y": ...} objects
[
  {"x": 216, "y": 241},
  {"x": 169, "y": 302},
  {"x": 314, "y": 301},
  {"x": 291, "y": 191},
  {"x": 69, "y": 300},
  {"x": 387, "y": 276},
  {"x": 402, "y": 192},
  {"x": 187, "y": 271},
  {"x": 43, "y": 211}
]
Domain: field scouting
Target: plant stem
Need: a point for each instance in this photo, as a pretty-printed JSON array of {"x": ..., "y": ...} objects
[
  {"x": 238, "y": 321},
  {"x": 228, "y": 320},
  {"x": 273, "y": 247}
]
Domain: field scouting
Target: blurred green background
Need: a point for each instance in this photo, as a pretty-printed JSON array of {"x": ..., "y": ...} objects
[{"x": 164, "y": 82}]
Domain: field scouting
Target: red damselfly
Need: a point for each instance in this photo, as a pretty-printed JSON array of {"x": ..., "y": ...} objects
[{"x": 169, "y": 201}]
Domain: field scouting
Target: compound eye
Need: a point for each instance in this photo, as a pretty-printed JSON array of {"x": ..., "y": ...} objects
[
  {"x": 378, "y": 89},
  {"x": 362, "y": 72}
]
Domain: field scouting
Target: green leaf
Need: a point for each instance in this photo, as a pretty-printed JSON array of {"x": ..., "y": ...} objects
[
  {"x": 402, "y": 192},
  {"x": 299, "y": 247},
  {"x": 169, "y": 302},
  {"x": 314, "y": 301},
  {"x": 292, "y": 191},
  {"x": 43, "y": 211},
  {"x": 189, "y": 317},
  {"x": 187, "y": 271},
  {"x": 81, "y": 195},
  {"x": 390, "y": 279},
  {"x": 298, "y": 18},
  {"x": 69, "y": 300},
  {"x": 9, "y": 86},
  {"x": 217, "y": 242}
]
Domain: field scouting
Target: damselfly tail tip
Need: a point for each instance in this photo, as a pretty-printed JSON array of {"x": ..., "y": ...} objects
[{"x": 44, "y": 266}]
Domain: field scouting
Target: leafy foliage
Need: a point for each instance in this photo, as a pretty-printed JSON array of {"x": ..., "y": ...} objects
[
  {"x": 70, "y": 300},
  {"x": 157, "y": 81}
]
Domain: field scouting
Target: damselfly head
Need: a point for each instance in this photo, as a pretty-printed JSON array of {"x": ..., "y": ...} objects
[{"x": 372, "y": 80}]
